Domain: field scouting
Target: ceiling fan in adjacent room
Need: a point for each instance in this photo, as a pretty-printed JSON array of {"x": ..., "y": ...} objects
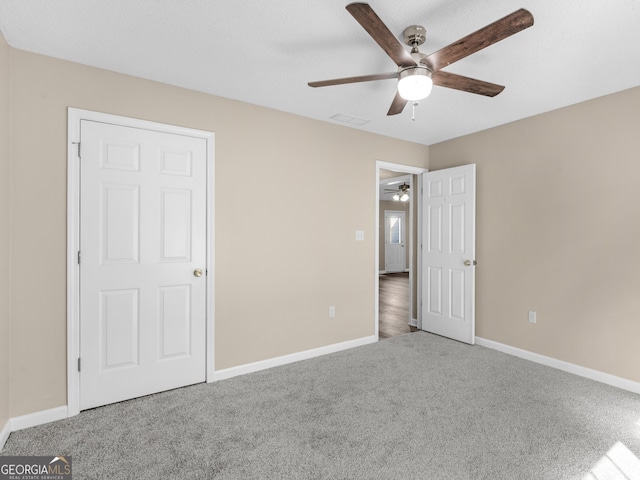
[
  {"x": 401, "y": 193},
  {"x": 418, "y": 72}
]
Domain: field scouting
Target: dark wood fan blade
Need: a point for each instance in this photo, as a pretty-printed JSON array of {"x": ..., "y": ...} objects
[
  {"x": 361, "y": 78},
  {"x": 466, "y": 84},
  {"x": 476, "y": 41},
  {"x": 397, "y": 105},
  {"x": 370, "y": 21}
]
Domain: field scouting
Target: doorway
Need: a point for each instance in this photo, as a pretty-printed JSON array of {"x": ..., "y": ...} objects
[
  {"x": 140, "y": 246},
  {"x": 396, "y": 309}
]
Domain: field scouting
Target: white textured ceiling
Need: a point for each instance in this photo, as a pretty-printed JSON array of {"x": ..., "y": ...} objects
[{"x": 265, "y": 52}]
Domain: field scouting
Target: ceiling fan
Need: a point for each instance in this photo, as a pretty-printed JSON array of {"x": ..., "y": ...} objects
[
  {"x": 401, "y": 193},
  {"x": 417, "y": 72}
]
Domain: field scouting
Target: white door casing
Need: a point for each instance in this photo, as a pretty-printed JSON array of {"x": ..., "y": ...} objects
[
  {"x": 141, "y": 320},
  {"x": 394, "y": 241},
  {"x": 448, "y": 252}
]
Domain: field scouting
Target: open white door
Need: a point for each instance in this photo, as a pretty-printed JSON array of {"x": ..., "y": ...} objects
[{"x": 448, "y": 252}]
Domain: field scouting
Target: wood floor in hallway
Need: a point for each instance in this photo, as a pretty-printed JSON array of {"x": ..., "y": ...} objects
[{"x": 394, "y": 305}]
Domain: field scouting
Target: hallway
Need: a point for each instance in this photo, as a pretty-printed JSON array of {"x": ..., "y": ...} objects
[{"x": 394, "y": 305}]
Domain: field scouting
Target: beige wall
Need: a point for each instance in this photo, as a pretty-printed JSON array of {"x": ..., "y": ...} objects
[
  {"x": 558, "y": 231},
  {"x": 283, "y": 255},
  {"x": 5, "y": 311}
]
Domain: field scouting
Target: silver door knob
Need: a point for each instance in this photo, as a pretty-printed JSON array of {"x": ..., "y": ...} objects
[
  {"x": 468, "y": 263},
  {"x": 197, "y": 272}
]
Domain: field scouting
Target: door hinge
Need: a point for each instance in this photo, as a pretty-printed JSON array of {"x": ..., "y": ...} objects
[
  {"x": 79, "y": 257},
  {"x": 79, "y": 151},
  {"x": 78, "y": 363}
]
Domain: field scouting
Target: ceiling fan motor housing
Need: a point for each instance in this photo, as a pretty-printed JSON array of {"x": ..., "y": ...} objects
[
  {"x": 420, "y": 69},
  {"x": 415, "y": 35}
]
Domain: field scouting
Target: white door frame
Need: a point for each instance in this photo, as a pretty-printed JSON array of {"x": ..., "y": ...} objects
[
  {"x": 73, "y": 239},
  {"x": 396, "y": 167}
]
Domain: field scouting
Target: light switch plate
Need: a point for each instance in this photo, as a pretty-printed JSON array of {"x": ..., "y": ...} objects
[{"x": 359, "y": 235}]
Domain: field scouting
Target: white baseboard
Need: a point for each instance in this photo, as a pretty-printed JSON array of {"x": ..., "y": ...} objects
[
  {"x": 4, "y": 434},
  {"x": 38, "y": 418},
  {"x": 31, "y": 420},
  {"x": 589, "y": 373},
  {"x": 291, "y": 358},
  {"x": 414, "y": 322}
]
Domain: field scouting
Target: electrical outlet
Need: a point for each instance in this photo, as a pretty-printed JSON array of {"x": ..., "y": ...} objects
[
  {"x": 532, "y": 316},
  {"x": 332, "y": 312}
]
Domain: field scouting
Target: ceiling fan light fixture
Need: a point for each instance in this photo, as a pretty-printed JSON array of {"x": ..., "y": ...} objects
[
  {"x": 415, "y": 83},
  {"x": 404, "y": 197},
  {"x": 396, "y": 197}
]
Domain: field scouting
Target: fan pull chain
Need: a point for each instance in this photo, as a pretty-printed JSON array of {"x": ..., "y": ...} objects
[{"x": 413, "y": 113}]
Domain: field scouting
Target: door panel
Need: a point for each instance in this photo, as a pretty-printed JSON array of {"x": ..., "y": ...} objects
[
  {"x": 175, "y": 217},
  {"x": 435, "y": 229},
  {"x": 434, "y": 282},
  {"x": 142, "y": 235},
  {"x": 175, "y": 320},
  {"x": 119, "y": 328},
  {"x": 448, "y": 291},
  {"x": 121, "y": 217}
]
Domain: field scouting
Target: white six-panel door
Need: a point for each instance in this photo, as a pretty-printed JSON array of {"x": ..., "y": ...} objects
[
  {"x": 142, "y": 242},
  {"x": 448, "y": 252}
]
